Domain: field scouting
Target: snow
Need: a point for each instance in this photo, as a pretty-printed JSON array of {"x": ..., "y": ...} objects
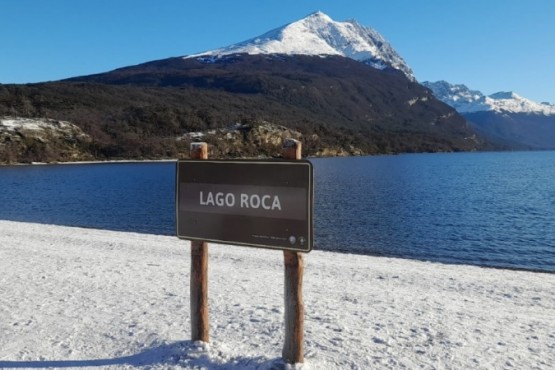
[
  {"x": 514, "y": 103},
  {"x": 34, "y": 124},
  {"x": 73, "y": 298},
  {"x": 318, "y": 34},
  {"x": 465, "y": 100}
]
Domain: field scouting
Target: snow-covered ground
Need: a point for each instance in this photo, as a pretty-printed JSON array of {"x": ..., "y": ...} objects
[{"x": 75, "y": 298}]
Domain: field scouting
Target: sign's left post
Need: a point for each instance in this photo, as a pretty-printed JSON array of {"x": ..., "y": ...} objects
[{"x": 199, "y": 272}]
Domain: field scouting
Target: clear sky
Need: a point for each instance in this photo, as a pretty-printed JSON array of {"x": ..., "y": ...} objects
[{"x": 489, "y": 45}]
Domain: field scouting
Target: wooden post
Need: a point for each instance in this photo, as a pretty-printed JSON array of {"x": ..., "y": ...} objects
[
  {"x": 293, "y": 348},
  {"x": 199, "y": 272}
]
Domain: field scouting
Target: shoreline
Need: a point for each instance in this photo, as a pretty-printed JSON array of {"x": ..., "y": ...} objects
[
  {"x": 251, "y": 158},
  {"x": 114, "y": 161},
  {"x": 341, "y": 252}
]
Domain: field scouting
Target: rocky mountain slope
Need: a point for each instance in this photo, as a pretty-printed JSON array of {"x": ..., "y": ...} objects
[{"x": 28, "y": 140}]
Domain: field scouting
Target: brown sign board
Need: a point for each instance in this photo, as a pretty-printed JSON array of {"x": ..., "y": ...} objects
[{"x": 246, "y": 202}]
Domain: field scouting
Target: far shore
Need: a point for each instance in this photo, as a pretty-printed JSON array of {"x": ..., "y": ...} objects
[{"x": 90, "y": 162}]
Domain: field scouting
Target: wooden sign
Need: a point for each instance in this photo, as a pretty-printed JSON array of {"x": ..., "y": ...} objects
[{"x": 253, "y": 203}]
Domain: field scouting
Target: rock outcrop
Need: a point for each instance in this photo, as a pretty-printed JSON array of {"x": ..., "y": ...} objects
[{"x": 41, "y": 140}]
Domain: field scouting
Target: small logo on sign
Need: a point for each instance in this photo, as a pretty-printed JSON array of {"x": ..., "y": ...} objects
[
  {"x": 292, "y": 240},
  {"x": 302, "y": 240}
]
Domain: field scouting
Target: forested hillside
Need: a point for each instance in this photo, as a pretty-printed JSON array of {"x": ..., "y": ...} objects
[{"x": 337, "y": 106}]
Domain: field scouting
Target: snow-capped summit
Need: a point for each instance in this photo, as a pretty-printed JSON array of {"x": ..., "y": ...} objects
[
  {"x": 318, "y": 34},
  {"x": 514, "y": 103},
  {"x": 465, "y": 100},
  {"x": 505, "y": 95}
]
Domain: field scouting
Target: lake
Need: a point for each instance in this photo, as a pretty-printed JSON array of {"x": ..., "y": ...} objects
[{"x": 487, "y": 209}]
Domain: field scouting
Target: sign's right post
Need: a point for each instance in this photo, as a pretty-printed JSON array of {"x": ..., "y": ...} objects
[
  {"x": 199, "y": 273},
  {"x": 293, "y": 348}
]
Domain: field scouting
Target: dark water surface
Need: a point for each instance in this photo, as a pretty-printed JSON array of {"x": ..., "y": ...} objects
[{"x": 489, "y": 209}]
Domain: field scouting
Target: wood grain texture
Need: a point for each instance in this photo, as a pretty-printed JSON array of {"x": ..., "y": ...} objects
[
  {"x": 293, "y": 348},
  {"x": 199, "y": 272}
]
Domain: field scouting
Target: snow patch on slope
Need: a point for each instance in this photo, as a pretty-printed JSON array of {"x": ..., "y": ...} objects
[
  {"x": 15, "y": 124},
  {"x": 318, "y": 34}
]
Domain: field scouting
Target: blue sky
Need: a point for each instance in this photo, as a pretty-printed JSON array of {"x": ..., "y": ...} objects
[{"x": 489, "y": 45}]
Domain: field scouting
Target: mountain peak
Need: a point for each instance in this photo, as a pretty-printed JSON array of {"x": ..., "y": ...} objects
[
  {"x": 465, "y": 100},
  {"x": 318, "y": 34},
  {"x": 319, "y": 14},
  {"x": 505, "y": 95}
]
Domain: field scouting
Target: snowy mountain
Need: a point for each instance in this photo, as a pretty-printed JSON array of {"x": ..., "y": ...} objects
[
  {"x": 338, "y": 84},
  {"x": 318, "y": 34},
  {"x": 504, "y": 118},
  {"x": 465, "y": 100}
]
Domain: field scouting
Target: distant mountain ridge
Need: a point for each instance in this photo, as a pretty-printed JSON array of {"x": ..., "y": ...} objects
[
  {"x": 465, "y": 100},
  {"x": 504, "y": 118},
  {"x": 318, "y": 34}
]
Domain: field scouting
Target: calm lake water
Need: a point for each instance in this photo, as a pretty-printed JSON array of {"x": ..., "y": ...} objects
[{"x": 489, "y": 209}]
